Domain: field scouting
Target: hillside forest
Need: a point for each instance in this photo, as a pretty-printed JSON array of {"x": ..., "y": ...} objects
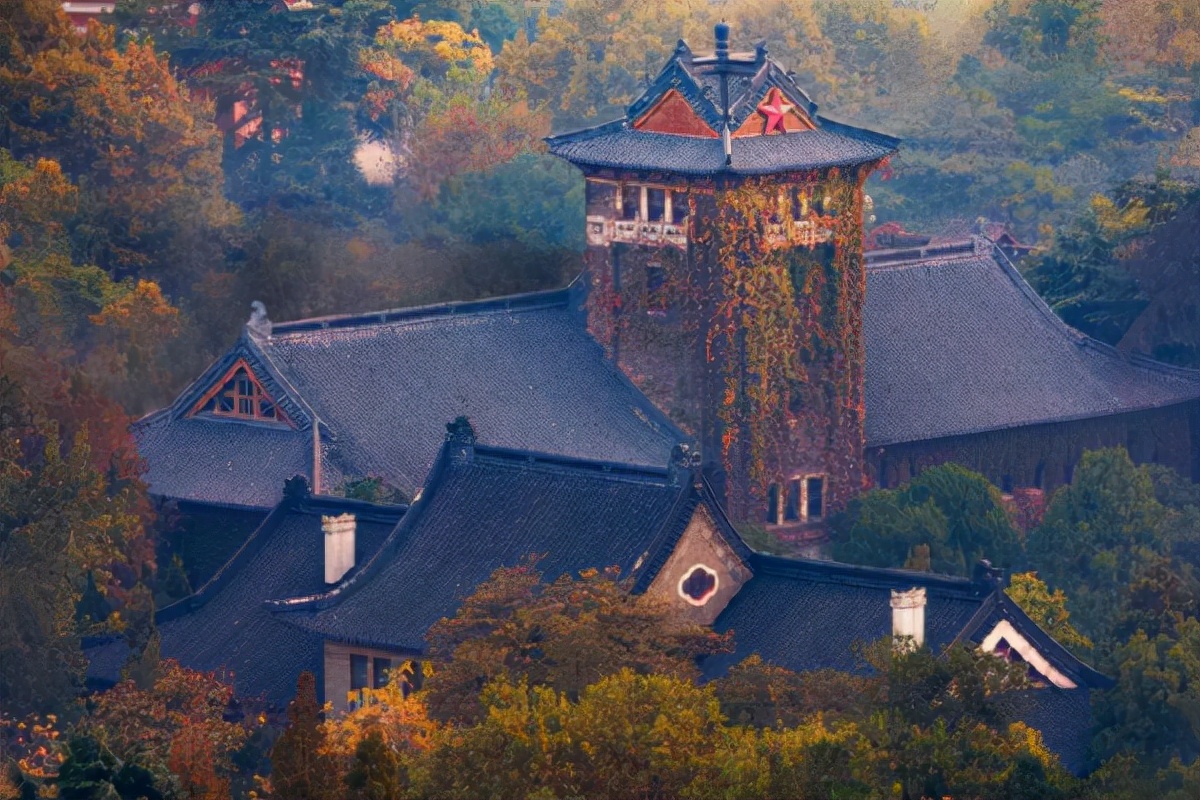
[{"x": 174, "y": 162}]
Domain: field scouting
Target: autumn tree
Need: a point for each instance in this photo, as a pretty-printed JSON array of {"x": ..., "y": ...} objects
[
  {"x": 176, "y": 726},
  {"x": 564, "y": 635},
  {"x": 300, "y": 767},
  {"x": 145, "y": 153}
]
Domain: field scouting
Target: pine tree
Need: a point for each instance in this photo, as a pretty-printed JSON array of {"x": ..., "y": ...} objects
[
  {"x": 301, "y": 770},
  {"x": 375, "y": 774}
]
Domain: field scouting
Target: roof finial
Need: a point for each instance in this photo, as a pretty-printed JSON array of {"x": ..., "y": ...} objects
[
  {"x": 258, "y": 325},
  {"x": 760, "y": 51},
  {"x": 721, "y": 31}
]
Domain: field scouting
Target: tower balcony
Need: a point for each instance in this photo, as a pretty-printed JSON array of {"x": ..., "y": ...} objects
[
  {"x": 793, "y": 233},
  {"x": 604, "y": 231}
]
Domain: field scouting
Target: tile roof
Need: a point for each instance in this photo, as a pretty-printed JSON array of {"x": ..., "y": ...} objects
[
  {"x": 744, "y": 80},
  {"x": 617, "y": 146},
  {"x": 225, "y": 625},
  {"x": 493, "y": 508},
  {"x": 807, "y": 615},
  {"x": 950, "y": 327},
  {"x": 804, "y": 614},
  {"x": 383, "y": 385},
  {"x": 958, "y": 343}
]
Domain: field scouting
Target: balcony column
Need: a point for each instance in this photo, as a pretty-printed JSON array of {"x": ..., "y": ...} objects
[
  {"x": 645, "y": 205},
  {"x": 667, "y": 216}
]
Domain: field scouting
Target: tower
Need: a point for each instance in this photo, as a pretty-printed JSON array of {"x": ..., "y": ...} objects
[{"x": 726, "y": 278}]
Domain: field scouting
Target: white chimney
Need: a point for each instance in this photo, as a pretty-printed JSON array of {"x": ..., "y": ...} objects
[
  {"x": 908, "y": 615},
  {"x": 339, "y": 546}
]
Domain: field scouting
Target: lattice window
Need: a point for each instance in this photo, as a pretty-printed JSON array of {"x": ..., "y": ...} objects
[
  {"x": 239, "y": 395},
  {"x": 698, "y": 585}
]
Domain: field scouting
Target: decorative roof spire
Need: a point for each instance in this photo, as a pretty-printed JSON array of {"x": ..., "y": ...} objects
[{"x": 721, "y": 32}]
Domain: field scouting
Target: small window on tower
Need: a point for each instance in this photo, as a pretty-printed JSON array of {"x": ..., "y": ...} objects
[
  {"x": 656, "y": 204},
  {"x": 631, "y": 201},
  {"x": 358, "y": 673},
  {"x": 773, "y": 517},
  {"x": 679, "y": 208},
  {"x": 814, "y": 497},
  {"x": 791, "y": 510}
]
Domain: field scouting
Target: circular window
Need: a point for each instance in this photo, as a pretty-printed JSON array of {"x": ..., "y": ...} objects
[{"x": 698, "y": 584}]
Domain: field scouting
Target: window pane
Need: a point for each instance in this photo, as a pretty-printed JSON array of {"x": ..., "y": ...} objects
[
  {"x": 656, "y": 204},
  {"x": 383, "y": 668},
  {"x": 631, "y": 201},
  {"x": 679, "y": 208},
  {"x": 816, "y": 498},
  {"x": 773, "y": 504},
  {"x": 358, "y": 673},
  {"x": 791, "y": 511}
]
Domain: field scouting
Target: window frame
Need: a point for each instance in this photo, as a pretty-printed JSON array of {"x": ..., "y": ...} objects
[
  {"x": 239, "y": 385},
  {"x": 780, "y": 499}
]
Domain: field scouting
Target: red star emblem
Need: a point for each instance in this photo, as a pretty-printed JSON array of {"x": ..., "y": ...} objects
[{"x": 775, "y": 109}]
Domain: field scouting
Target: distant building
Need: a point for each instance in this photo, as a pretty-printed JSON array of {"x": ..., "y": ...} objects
[{"x": 81, "y": 13}]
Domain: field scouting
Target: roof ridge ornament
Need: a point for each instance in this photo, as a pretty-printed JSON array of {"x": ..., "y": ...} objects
[
  {"x": 721, "y": 34},
  {"x": 460, "y": 436},
  {"x": 259, "y": 325},
  {"x": 685, "y": 461}
]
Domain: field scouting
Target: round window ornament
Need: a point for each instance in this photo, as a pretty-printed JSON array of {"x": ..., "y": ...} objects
[{"x": 699, "y": 584}]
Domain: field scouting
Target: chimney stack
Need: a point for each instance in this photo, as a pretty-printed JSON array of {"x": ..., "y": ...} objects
[
  {"x": 908, "y": 616},
  {"x": 339, "y": 546}
]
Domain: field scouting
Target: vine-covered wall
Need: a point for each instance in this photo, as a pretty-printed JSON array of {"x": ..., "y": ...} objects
[{"x": 751, "y": 338}]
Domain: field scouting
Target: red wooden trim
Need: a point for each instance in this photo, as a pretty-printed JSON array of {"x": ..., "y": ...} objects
[
  {"x": 674, "y": 114},
  {"x": 230, "y": 375}
]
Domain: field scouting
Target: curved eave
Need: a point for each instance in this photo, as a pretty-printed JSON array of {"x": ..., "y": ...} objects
[{"x": 616, "y": 146}]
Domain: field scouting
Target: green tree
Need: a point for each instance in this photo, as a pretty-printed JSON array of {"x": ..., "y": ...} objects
[
  {"x": 1152, "y": 713},
  {"x": 1095, "y": 535},
  {"x": 91, "y": 772},
  {"x": 375, "y": 773},
  {"x": 954, "y": 512},
  {"x": 1048, "y": 609}
]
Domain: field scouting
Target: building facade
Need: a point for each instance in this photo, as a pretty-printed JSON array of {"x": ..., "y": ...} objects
[{"x": 725, "y": 274}]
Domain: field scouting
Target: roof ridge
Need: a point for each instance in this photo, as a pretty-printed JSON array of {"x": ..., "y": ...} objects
[
  {"x": 1077, "y": 337},
  {"x": 381, "y": 557},
  {"x": 839, "y": 572},
  {"x": 532, "y": 458},
  {"x": 527, "y": 301}
]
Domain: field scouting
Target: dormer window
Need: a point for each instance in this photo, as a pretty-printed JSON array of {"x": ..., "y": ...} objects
[{"x": 240, "y": 395}]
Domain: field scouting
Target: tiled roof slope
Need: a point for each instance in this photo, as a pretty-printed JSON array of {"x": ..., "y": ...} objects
[
  {"x": 485, "y": 508},
  {"x": 225, "y": 625},
  {"x": 807, "y": 615},
  {"x": 522, "y": 368},
  {"x": 744, "y": 80},
  {"x": 222, "y": 462},
  {"x": 959, "y": 343},
  {"x": 618, "y": 146}
]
